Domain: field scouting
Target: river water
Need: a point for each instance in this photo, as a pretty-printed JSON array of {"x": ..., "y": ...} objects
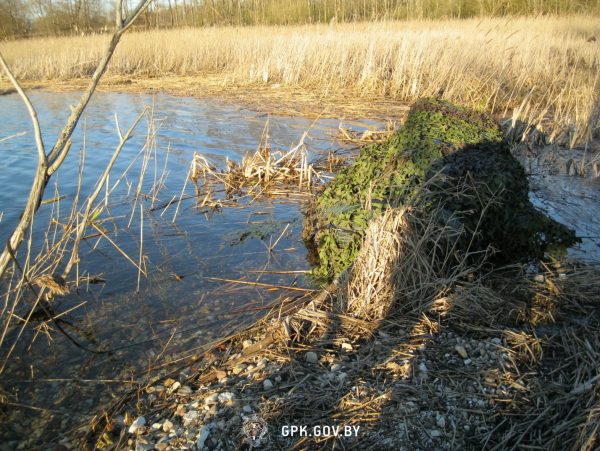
[{"x": 50, "y": 385}]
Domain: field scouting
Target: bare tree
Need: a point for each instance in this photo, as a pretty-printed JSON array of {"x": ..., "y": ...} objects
[{"x": 49, "y": 162}]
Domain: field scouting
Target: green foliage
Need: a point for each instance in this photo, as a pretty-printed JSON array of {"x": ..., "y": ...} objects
[
  {"x": 463, "y": 156},
  {"x": 486, "y": 189}
]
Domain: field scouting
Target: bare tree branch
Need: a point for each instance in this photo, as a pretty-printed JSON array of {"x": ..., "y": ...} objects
[
  {"x": 119, "y": 14},
  {"x": 48, "y": 164},
  {"x": 36, "y": 123}
]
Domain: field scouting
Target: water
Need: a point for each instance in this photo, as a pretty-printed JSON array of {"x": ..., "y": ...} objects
[
  {"x": 54, "y": 386},
  {"x": 177, "y": 306}
]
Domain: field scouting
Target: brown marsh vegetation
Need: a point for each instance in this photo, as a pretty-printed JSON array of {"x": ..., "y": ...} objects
[{"x": 542, "y": 71}]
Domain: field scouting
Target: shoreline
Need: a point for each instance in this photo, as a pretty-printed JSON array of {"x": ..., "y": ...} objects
[{"x": 272, "y": 99}]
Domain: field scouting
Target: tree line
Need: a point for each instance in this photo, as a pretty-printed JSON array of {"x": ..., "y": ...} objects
[{"x": 23, "y": 18}]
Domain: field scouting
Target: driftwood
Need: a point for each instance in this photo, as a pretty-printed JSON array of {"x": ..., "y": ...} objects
[{"x": 50, "y": 162}]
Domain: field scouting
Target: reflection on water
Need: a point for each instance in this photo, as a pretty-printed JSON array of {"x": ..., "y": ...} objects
[{"x": 178, "y": 306}]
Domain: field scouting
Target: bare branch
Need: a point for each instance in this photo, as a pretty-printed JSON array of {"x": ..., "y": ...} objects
[
  {"x": 34, "y": 119},
  {"x": 48, "y": 164},
  {"x": 119, "y": 14},
  {"x": 135, "y": 13}
]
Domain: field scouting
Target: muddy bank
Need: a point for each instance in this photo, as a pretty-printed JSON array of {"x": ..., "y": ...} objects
[{"x": 273, "y": 99}]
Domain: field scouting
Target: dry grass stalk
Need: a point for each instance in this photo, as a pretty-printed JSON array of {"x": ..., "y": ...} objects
[{"x": 368, "y": 136}]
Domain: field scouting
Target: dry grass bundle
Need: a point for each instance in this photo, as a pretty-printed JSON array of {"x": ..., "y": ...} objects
[
  {"x": 53, "y": 283},
  {"x": 368, "y": 289},
  {"x": 407, "y": 262},
  {"x": 263, "y": 172}
]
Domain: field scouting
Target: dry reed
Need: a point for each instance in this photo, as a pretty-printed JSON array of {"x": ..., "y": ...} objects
[
  {"x": 544, "y": 69},
  {"x": 265, "y": 171}
]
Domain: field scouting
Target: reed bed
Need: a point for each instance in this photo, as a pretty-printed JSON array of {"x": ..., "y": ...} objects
[{"x": 541, "y": 71}]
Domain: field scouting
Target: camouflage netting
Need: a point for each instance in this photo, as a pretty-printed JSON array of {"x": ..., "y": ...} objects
[{"x": 467, "y": 167}]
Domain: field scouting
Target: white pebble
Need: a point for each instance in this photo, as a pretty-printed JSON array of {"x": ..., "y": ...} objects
[
  {"x": 462, "y": 352},
  {"x": 137, "y": 424},
  {"x": 167, "y": 426},
  {"x": 226, "y": 397}
]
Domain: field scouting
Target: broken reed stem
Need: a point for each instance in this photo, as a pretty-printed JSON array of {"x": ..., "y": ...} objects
[
  {"x": 92, "y": 198},
  {"x": 141, "y": 246},
  {"x": 187, "y": 178},
  {"x": 261, "y": 284}
]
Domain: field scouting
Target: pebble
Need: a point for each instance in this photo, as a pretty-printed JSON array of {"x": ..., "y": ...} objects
[
  {"x": 462, "y": 352},
  {"x": 190, "y": 416},
  {"x": 202, "y": 436},
  {"x": 238, "y": 369},
  {"x": 226, "y": 397},
  {"x": 174, "y": 387},
  {"x": 185, "y": 391},
  {"x": 137, "y": 425},
  {"x": 441, "y": 421},
  {"x": 267, "y": 384},
  {"x": 212, "y": 399},
  {"x": 262, "y": 363},
  {"x": 167, "y": 426},
  {"x": 220, "y": 374},
  {"x": 312, "y": 357}
]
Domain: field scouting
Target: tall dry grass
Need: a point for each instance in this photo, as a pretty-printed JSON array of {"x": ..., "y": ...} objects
[{"x": 545, "y": 69}]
